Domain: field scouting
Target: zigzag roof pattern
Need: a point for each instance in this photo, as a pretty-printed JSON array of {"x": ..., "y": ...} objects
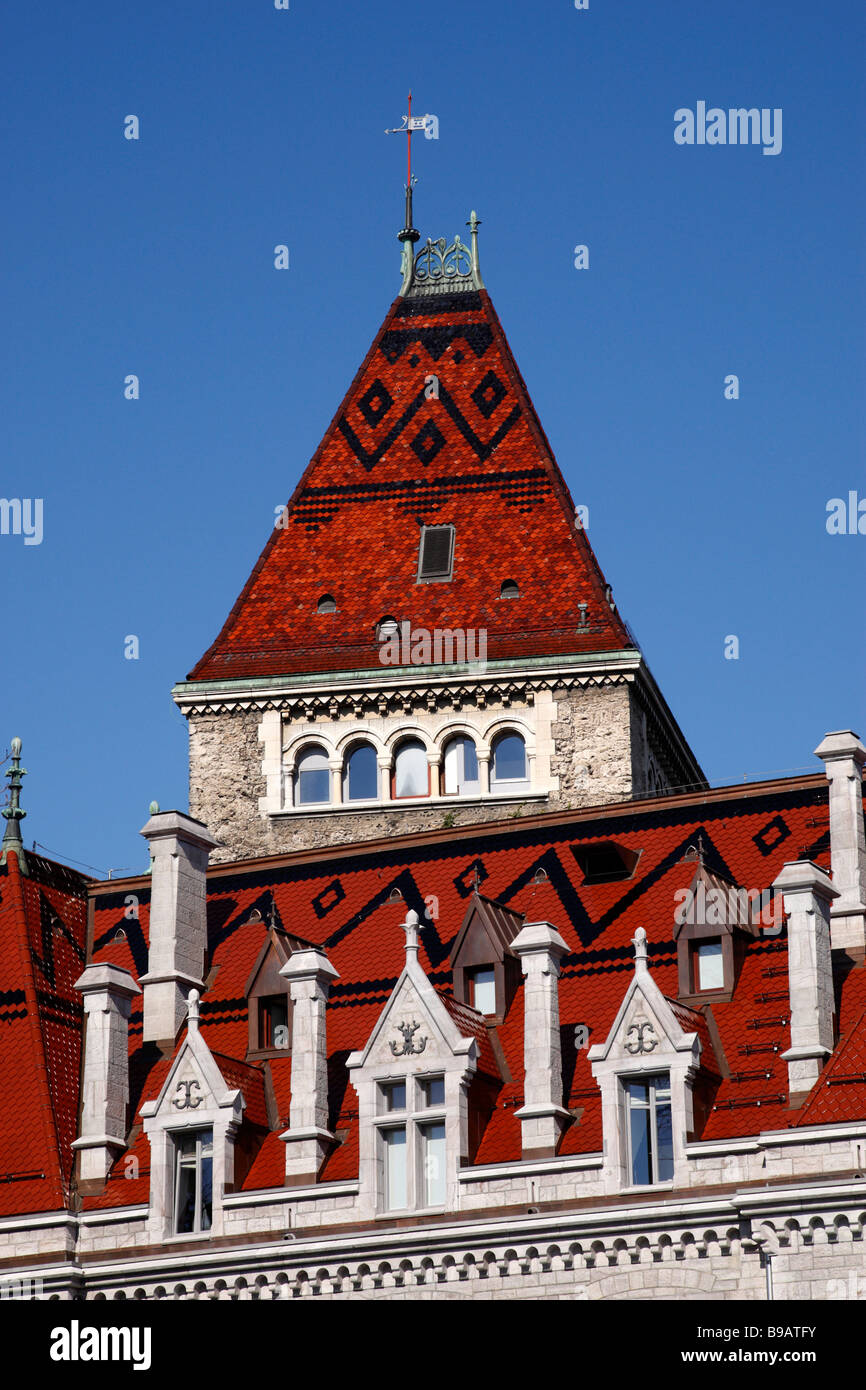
[
  {"x": 399, "y": 454},
  {"x": 342, "y": 901}
]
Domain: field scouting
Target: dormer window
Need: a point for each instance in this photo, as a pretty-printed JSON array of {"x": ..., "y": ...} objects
[
  {"x": 436, "y": 553},
  {"x": 709, "y": 967},
  {"x": 413, "y": 1150},
  {"x": 273, "y": 1022},
  {"x": 193, "y": 1182},
  {"x": 482, "y": 989},
  {"x": 650, "y": 1130}
]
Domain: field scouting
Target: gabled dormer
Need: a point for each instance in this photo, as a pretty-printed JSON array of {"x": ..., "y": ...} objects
[
  {"x": 486, "y": 971},
  {"x": 269, "y": 1004},
  {"x": 714, "y": 920},
  {"x": 412, "y": 1078},
  {"x": 192, "y": 1126}
]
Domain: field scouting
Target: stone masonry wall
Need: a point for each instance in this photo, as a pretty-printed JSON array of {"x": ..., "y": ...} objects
[{"x": 585, "y": 757}]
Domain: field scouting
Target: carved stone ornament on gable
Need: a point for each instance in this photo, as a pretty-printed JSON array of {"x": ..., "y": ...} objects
[
  {"x": 183, "y": 1098},
  {"x": 409, "y": 1046},
  {"x": 640, "y": 1038}
]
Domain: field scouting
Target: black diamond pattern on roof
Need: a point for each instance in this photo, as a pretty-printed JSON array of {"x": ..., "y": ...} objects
[
  {"x": 375, "y": 403},
  {"x": 428, "y": 442},
  {"x": 488, "y": 394}
]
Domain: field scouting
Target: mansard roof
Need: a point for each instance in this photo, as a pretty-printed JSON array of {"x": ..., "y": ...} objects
[
  {"x": 340, "y": 899},
  {"x": 402, "y": 452}
]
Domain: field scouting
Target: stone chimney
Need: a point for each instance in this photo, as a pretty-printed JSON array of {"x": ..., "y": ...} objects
[
  {"x": 308, "y": 1139},
  {"x": 807, "y": 893},
  {"x": 179, "y": 848},
  {"x": 542, "y": 1117},
  {"x": 108, "y": 994},
  {"x": 844, "y": 756}
]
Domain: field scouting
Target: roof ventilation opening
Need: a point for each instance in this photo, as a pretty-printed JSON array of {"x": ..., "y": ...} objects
[
  {"x": 606, "y": 862},
  {"x": 386, "y": 628},
  {"x": 327, "y": 604},
  {"x": 436, "y": 553},
  {"x": 509, "y": 589}
]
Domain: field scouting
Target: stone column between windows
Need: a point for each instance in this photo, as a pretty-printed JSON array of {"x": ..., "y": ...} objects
[
  {"x": 542, "y": 1117},
  {"x": 308, "y": 1139},
  {"x": 384, "y": 778},
  {"x": 335, "y": 769},
  {"x": 807, "y": 893},
  {"x": 483, "y": 757},
  {"x": 433, "y": 764}
]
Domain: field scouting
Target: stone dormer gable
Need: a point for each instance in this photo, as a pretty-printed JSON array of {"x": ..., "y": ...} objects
[
  {"x": 194, "y": 1104},
  {"x": 650, "y": 1048},
  {"x": 482, "y": 945},
  {"x": 412, "y": 1078}
]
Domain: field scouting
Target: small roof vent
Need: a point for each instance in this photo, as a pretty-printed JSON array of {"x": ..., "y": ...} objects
[
  {"x": 509, "y": 589},
  {"x": 327, "y": 604},
  {"x": 386, "y": 627},
  {"x": 436, "y": 553}
]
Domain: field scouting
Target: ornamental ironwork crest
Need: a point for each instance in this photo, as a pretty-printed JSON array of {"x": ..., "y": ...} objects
[
  {"x": 439, "y": 261},
  {"x": 409, "y": 1047},
  {"x": 645, "y": 1039}
]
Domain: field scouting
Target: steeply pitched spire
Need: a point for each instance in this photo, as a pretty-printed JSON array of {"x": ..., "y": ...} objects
[{"x": 13, "y": 812}]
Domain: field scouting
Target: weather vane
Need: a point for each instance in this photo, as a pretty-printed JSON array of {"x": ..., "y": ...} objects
[{"x": 410, "y": 123}]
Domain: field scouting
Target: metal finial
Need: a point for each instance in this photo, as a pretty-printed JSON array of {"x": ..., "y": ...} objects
[
  {"x": 473, "y": 224},
  {"x": 13, "y": 812}
]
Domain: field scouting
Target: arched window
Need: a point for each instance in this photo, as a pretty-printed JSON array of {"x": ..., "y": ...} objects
[
  {"x": 327, "y": 604},
  {"x": 460, "y": 766},
  {"x": 313, "y": 778},
  {"x": 360, "y": 774},
  {"x": 509, "y": 761},
  {"x": 509, "y": 589},
  {"x": 411, "y": 770}
]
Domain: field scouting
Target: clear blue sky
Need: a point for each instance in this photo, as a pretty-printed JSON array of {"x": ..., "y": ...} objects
[{"x": 260, "y": 127}]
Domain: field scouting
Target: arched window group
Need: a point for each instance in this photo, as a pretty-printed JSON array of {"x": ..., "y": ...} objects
[{"x": 459, "y": 771}]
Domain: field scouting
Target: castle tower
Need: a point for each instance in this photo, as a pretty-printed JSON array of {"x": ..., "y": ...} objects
[{"x": 427, "y": 637}]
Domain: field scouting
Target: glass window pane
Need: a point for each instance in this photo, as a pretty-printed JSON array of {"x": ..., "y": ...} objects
[
  {"x": 639, "y": 1128},
  {"x": 484, "y": 990},
  {"x": 394, "y": 1095},
  {"x": 452, "y": 768},
  {"x": 470, "y": 761},
  {"x": 434, "y": 1090},
  {"x": 313, "y": 778},
  {"x": 206, "y": 1189},
  {"x": 410, "y": 774},
  {"x": 509, "y": 758},
  {"x": 664, "y": 1141},
  {"x": 395, "y": 1168},
  {"x": 360, "y": 781},
  {"x": 711, "y": 970},
  {"x": 433, "y": 1155}
]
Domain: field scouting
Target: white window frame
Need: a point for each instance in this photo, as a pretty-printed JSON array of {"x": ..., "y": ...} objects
[
  {"x": 644, "y": 1079},
  {"x": 416, "y": 1117},
  {"x": 718, "y": 958},
  {"x": 179, "y": 1138}
]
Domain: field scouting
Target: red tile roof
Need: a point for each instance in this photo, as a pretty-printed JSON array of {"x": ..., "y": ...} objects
[
  {"x": 43, "y": 925},
  {"x": 476, "y": 458},
  {"x": 340, "y": 901}
]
